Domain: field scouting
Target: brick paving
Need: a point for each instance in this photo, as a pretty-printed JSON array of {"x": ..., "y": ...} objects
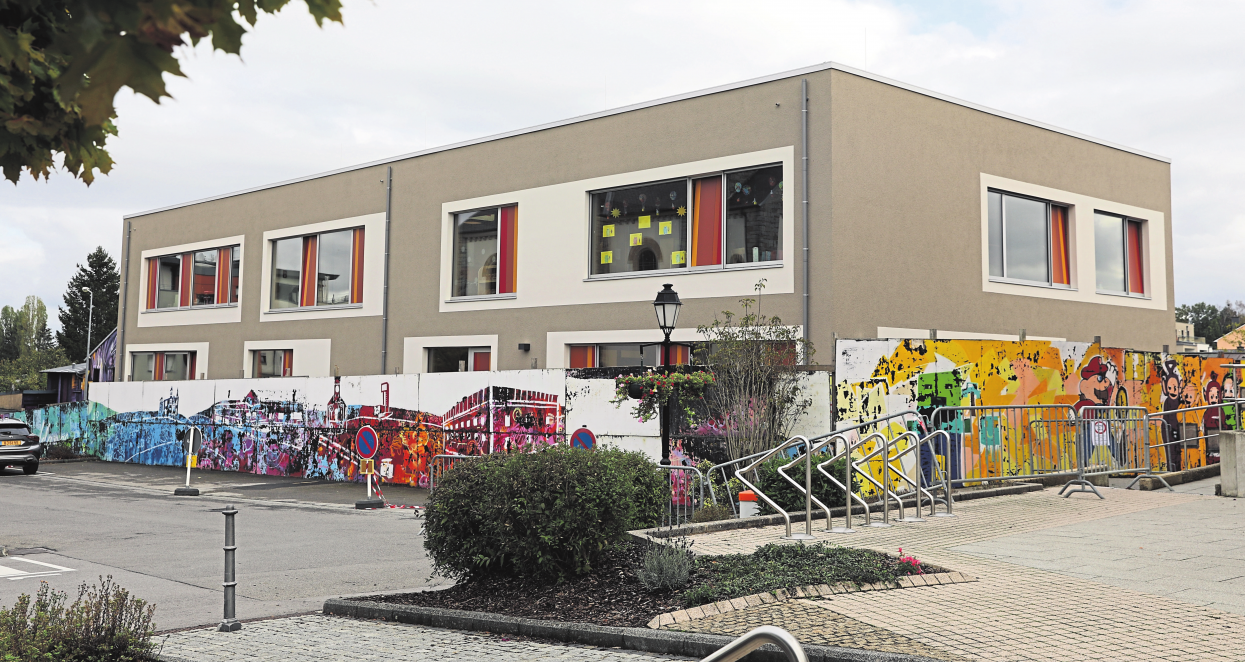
[
  {"x": 1019, "y": 612},
  {"x": 326, "y": 638}
]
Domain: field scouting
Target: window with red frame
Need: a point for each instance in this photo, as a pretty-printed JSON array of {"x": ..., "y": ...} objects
[
  {"x": 162, "y": 366},
  {"x": 200, "y": 278},
  {"x": 323, "y": 269},
  {"x": 1119, "y": 263}
]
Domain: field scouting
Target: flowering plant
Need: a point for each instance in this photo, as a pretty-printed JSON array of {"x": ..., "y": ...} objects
[
  {"x": 912, "y": 561},
  {"x": 655, "y": 389}
]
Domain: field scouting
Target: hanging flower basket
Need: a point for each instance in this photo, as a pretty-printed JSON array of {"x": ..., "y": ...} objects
[{"x": 654, "y": 390}]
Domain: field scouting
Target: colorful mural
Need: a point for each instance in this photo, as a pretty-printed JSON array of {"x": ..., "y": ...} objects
[{"x": 879, "y": 377}]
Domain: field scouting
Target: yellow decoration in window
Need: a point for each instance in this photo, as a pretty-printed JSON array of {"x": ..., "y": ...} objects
[
  {"x": 681, "y": 211},
  {"x": 664, "y": 227},
  {"x": 607, "y": 230},
  {"x": 607, "y": 257},
  {"x": 646, "y": 221},
  {"x": 637, "y": 239},
  {"x": 615, "y": 213},
  {"x": 678, "y": 257}
]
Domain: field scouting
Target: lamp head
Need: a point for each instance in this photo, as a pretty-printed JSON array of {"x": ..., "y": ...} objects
[{"x": 666, "y": 305}]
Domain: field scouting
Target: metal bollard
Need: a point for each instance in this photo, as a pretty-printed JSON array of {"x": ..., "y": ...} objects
[{"x": 229, "y": 623}]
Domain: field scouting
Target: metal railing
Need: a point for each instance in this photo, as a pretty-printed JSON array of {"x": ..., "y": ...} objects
[
  {"x": 808, "y": 520},
  {"x": 1190, "y": 428},
  {"x": 1110, "y": 440},
  {"x": 766, "y": 634},
  {"x": 1013, "y": 442},
  {"x": 687, "y": 494}
]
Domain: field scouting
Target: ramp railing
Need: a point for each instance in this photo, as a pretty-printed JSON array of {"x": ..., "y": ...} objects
[{"x": 808, "y": 520}]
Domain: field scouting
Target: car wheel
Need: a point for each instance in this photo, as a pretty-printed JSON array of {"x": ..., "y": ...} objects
[{"x": 30, "y": 468}]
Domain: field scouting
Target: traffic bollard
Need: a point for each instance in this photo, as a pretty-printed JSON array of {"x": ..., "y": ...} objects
[{"x": 229, "y": 623}]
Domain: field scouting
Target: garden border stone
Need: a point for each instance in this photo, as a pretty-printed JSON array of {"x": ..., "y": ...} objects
[
  {"x": 774, "y": 520},
  {"x": 663, "y": 642}
]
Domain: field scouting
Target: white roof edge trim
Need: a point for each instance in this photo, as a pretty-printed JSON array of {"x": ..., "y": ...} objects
[{"x": 662, "y": 101}]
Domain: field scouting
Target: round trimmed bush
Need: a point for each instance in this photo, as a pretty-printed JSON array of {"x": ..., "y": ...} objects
[{"x": 548, "y": 515}]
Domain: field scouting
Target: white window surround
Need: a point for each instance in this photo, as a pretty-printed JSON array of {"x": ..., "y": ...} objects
[
  {"x": 373, "y": 271},
  {"x": 558, "y": 343},
  {"x": 554, "y": 243},
  {"x": 415, "y": 349},
  {"x": 311, "y": 356},
  {"x": 217, "y": 314},
  {"x": 899, "y": 333},
  {"x": 199, "y": 348},
  {"x": 1081, "y": 268}
]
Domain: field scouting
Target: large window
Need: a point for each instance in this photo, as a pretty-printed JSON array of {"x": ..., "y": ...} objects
[
  {"x": 621, "y": 355},
  {"x": 1117, "y": 255},
  {"x": 318, "y": 270},
  {"x": 722, "y": 219},
  {"x": 459, "y": 359},
  {"x": 162, "y": 366},
  {"x": 272, "y": 363},
  {"x": 201, "y": 278},
  {"x": 1028, "y": 240},
  {"x": 484, "y": 251}
]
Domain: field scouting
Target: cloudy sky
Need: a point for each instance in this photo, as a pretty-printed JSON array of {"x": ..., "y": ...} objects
[{"x": 402, "y": 75}]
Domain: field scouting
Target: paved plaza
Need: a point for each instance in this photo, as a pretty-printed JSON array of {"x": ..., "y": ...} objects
[{"x": 1141, "y": 575}]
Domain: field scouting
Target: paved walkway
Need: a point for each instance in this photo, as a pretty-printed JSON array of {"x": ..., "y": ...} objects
[
  {"x": 325, "y": 638},
  {"x": 1060, "y": 579}
]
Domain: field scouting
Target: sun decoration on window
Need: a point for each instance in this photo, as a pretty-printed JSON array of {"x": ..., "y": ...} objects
[
  {"x": 615, "y": 213},
  {"x": 682, "y": 211}
]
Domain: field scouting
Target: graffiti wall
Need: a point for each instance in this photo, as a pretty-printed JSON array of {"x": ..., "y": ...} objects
[
  {"x": 307, "y": 427},
  {"x": 875, "y": 378}
]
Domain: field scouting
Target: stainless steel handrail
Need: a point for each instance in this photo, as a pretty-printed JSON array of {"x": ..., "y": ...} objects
[{"x": 766, "y": 634}]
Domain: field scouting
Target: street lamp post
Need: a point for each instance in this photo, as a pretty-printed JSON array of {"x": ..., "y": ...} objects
[
  {"x": 86, "y": 378},
  {"x": 666, "y": 305}
]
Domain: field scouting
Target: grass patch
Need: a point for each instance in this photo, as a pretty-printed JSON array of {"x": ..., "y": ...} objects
[{"x": 787, "y": 566}]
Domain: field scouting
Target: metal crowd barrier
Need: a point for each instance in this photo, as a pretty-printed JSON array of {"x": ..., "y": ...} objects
[
  {"x": 1190, "y": 428},
  {"x": 1013, "y": 442},
  {"x": 687, "y": 494},
  {"x": 1110, "y": 440},
  {"x": 441, "y": 464}
]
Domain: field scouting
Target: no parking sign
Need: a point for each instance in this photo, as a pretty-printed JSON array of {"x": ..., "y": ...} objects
[
  {"x": 366, "y": 442},
  {"x": 583, "y": 438}
]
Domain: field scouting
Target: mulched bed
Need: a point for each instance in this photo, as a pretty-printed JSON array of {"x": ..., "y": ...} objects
[{"x": 612, "y": 595}]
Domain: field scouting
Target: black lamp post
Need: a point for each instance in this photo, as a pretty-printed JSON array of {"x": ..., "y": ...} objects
[{"x": 666, "y": 306}]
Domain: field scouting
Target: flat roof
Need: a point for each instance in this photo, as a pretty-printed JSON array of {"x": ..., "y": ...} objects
[{"x": 664, "y": 100}]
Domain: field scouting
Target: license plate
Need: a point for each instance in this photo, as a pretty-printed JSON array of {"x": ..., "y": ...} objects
[{"x": 12, "y": 442}]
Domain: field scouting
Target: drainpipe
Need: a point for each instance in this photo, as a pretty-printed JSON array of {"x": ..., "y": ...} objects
[
  {"x": 804, "y": 192},
  {"x": 384, "y": 319},
  {"x": 118, "y": 360}
]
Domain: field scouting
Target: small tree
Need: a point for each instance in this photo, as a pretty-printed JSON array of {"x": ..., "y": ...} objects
[{"x": 758, "y": 392}]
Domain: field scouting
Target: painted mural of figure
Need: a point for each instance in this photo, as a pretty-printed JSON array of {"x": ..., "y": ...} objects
[
  {"x": 1096, "y": 384},
  {"x": 1212, "y": 421},
  {"x": 1169, "y": 374},
  {"x": 276, "y": 462},
  {"x": 1229, "y": 395}
]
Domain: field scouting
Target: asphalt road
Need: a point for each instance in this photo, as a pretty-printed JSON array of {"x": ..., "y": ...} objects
[{"x": 299, "y": 541}]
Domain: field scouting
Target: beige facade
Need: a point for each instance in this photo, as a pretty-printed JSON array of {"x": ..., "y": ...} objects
[{"x": 897, "y": 215}]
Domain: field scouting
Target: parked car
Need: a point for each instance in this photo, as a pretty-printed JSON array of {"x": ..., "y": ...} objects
[{"x": 18, "y": 446}]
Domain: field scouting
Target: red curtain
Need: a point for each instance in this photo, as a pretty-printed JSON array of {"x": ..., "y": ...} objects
[
  {"x": 707, "y": 221},
  {"x": 188, "y": 262},
  {"x": 480, "y": 361},
  {"x": 287, "y": 363},
  {"x": 1059, "y": 245},
  {"x": 507, "y": 250},
  {"x": 583, "y": 356},
  {"x": 224, "y": 262},
  {"x": 307, "y": 288},
  {"x": 1136, "y": 283},
  {"x": 153, "y": 281}
]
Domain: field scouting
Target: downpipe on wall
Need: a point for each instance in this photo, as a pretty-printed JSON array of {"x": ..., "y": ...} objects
[
  {"x": 384, "y": 319},
  {"x": 804, "y": 193}
]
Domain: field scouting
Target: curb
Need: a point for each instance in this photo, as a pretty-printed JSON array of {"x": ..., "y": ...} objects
[
  {"x": 1179, "y": 477},
  {"x": 774, "y": 520},
  {"x": 663, "y": 642},
  {"x": 803, "y": 592}
]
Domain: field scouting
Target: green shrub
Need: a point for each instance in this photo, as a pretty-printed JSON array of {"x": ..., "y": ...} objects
[
  {"x": 105, "y": 624},
  {"x": 788, "y": 497},
  {"x": 785, "y": 566},
  {"x": 547, "y": 515},
  {"x": 667, "y": 566},
  {"x": 712, "y": 512}
]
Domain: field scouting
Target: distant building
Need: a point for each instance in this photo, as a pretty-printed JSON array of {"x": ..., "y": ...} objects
[
  {"x": 1186, "y": 342},
  {"x": 65, "y": 383},
  {"x": 1234, "y": 339}
]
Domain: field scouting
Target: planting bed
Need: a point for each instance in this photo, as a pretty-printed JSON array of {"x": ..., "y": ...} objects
[{"x": 612, "y": 595}]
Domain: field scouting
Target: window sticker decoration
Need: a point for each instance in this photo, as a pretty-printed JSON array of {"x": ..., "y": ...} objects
[
  {"x": 646, "y": 221},
  {"x": 664, "y": 227},
  {"x": 637, "y": 239},
  {"x": 678, "y": 257},
  {"x": 682, "y": 211},
  {"x": 607, "y": 257},
  {"x": 607, "y": 230}
]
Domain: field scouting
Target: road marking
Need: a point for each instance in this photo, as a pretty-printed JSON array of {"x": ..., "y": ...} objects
[{"x": 13, "y": 574}]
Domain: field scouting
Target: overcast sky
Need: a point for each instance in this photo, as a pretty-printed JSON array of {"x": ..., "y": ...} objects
[{"x": 402, "y": 75}]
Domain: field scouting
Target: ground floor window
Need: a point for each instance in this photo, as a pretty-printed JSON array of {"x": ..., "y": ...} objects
[
  {"x": 459, "y": 359},
  {"x": 162, "y": 366},
  {"x": 621, "y": 355},
  {"x": 272, "y": 363}
]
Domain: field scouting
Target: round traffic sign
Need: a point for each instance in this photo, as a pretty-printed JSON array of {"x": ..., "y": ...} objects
[
  {"x": 583, "y": 438},
  {"x": 366, "y": 442}
]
